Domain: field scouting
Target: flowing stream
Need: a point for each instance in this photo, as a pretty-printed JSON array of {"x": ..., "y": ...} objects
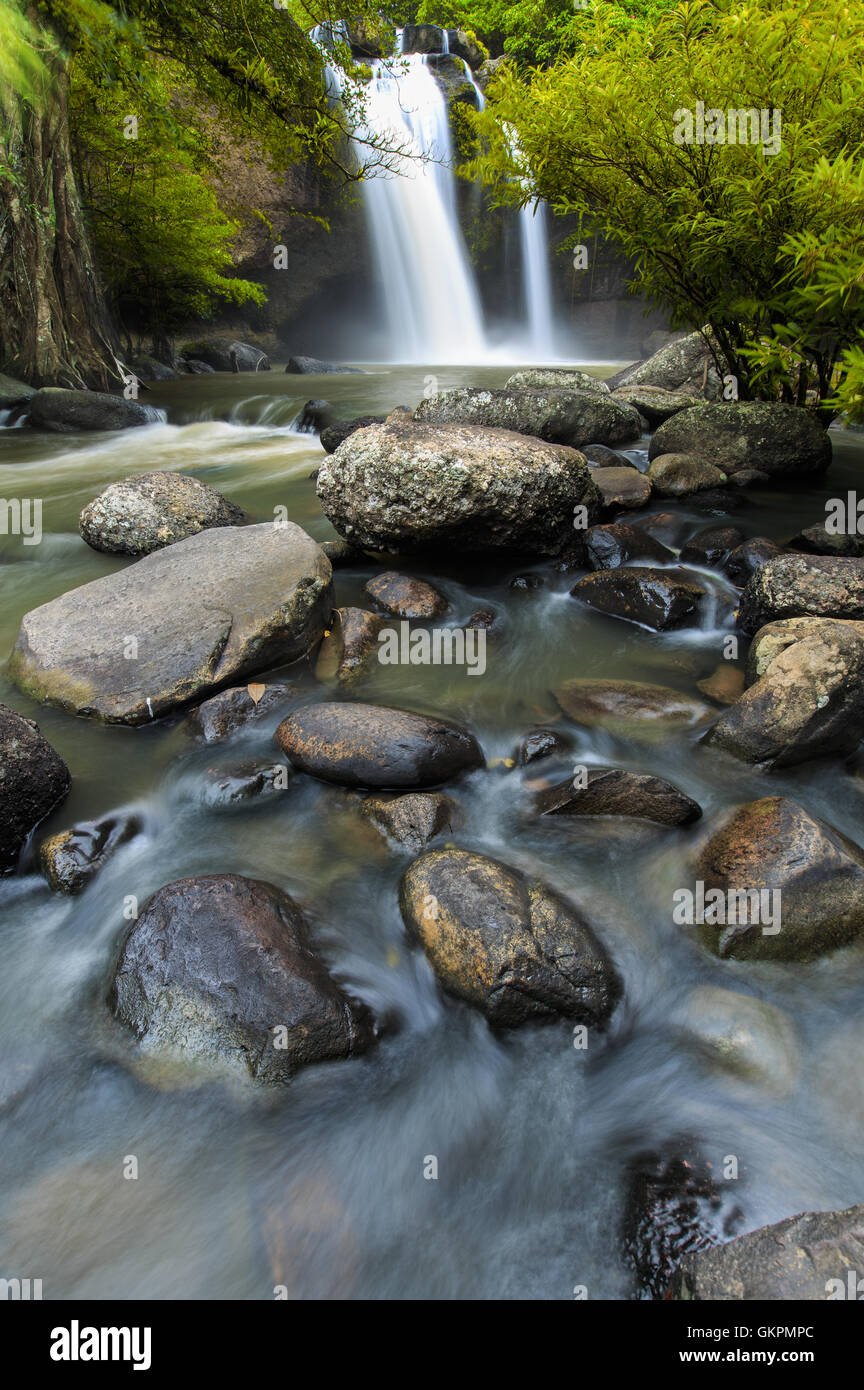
[{"x": 321, "y": 1186}]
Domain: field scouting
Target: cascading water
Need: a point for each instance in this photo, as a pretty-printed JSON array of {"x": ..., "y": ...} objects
[{"x": 534, "y": 244}]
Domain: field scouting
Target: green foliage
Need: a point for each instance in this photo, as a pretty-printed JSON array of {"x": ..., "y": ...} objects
[
  {"x": 725, "y": 234},
  {"x": 20, "y": 63},
  {"x": 162, "y": 243}
]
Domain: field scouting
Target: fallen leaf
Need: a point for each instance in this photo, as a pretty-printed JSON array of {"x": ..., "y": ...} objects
[{"x": 255, "y": 692}]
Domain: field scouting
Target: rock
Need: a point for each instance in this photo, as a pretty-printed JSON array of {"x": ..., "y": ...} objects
[
  {"x": 816, "y": 1256},
  {"x": 507, "y": 944},
  {"x": 621, "y": 488},
  {"x": 313, "y": 366},
  {"x": 224, "y": 787},
  {"x": 341, "y": 554},
  {"x": 407, "y": 486},
  {"x": 725, "y": 684},
  {"x": 206, "y": 612},
  {"x": 483, "y": 620},
  {"x": 659, "y": 599},
  {"x": 196, "y": 368},
  {"x": 711, "y": 546},
  {"x": 69, "y": 860},
  {"x": 743, "y": 562},
  {"x": 676, "y": 1203},
  {"x": 808, "y": 702},
  {"x": 214, "y": 967},
  {"x": 752, "y": 1040},
  {"x": 406, "y": 597},
  {"x": 794, "y": 586},
  {"x": 223, "y": 714},
  {"x": 783, "y": 441},
  {"x": 670, "y": 528},
  {"x": 350, "y": 646},
  {"x": 749, "y": 477},
  {"x": 599, "y": 456},
  {"x": 653, "y": 402},
  {"x": 359, "y": 745},
  {"x": 333, "y": 435},
  {"x": 559, "y": 417},
  {"x": 615, "y": 791},
  {"x": 539, "y": 744},
  {"x": 227, "y": 355},
  {"x": 545, "y": 378},
  {"x": 774, "y": 638},
  {"x": 62, "y": 412},
  {"x": 816, "y": 540},
  {"x": 14, "y": 392},
  {"x": 424, "y": 38},
  {"x": 774, "y": 845},
  {"x": 315, "y": 416},
  {"x": 150, "y": 510},
  {"x": 527, "y": 582},
  {"x": 677, "y": 475},
  {"x": 33, "y": 780},
  {"x": 412, "y": 820},
  {"x": 466, "y": 46},
  {"x": 684, "y": 363},
  {"x": 150, "y": 369},
  {"x": 611, "y": 546},
  {"x": 630, "y": 709}
]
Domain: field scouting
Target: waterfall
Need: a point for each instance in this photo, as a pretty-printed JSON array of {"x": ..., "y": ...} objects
[{"x": 430, "y": 299}]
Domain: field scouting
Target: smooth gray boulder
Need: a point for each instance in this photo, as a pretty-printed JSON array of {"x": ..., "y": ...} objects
[
  {"x": 313, "y": 366},
  {"x": 218, "y": 970},
  {"x": 407, "y": 486},
  {"x": 61, "y": 411},
  {"x": 685, "y": 363},
  {"x": 797, "y": 586},
  {"x": 784, "y": 441},
  {"x": 554, "y": 378},
  {"x": 33, "y": 780},
  {"x": 150, "y": 510},
  {"x": 227, "y": 355},
  {"x": 558, "y": 416},
  {"x": 178, "y": 625},
  {"x": 816, "y": 1256},
  {"x": 14, "y": 392}
]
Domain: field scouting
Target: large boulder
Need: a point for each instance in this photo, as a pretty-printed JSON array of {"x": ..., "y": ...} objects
[
  {"x": 814, "y": 1257},
  {"x": 558, "y": 416},
  {"x": 505, "y": 943},
  {"x": 795, "y": 586},
  {"x": 336, "y": 433},
  {"x": 783, "y": 441},
  {"x": 808, "y": 700},
  {"x": 313, "y": 366},
  {"x": 150, "y": 510},
  {"x": 33, "y": 780},
  {"x": 679, "y": 475},
  {"x": 555, "y": 379},
  {"x": 609, "y": 547},
  {"x": 655, "y": 404},
  {"x": 219, "y": 970},
  {"x": 657, "y": 598},
  {"x": 410, "y": 486},
  {"x": 465, "y": 45},
  {"x": 177, "y": 625},
  {"x": 809, "y": 880},
  {"x": 358, "y": 745},
  {"x": 227, "y": 355},
  {"x": 742, "y": 563},
  {"x": 13, "y": 392},
  {"x": 424, "y": 38},
  {"x": 685, "y": 364},
  {"x": 61, "y": 411},
  {"x": 630, "y": 709}
]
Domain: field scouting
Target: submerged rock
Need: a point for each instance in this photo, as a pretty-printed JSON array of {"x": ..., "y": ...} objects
[
  {"x": 200, "y": 614},
  {"x": 409, "y": 486},
  {"x": 359, "y": 745},
  {"x": 808, "y": 701},
  {"x": 725, "y": 684},
  {"x": 403, "y": 596},
  {"x": 33, "y": 780},
  {"x": 630, "y": 709},
  {"x": 813, "y": 1257},
  {"x": 507, "y": 944},
  {"x": 230, "y": 710},
  {"x": 614, "y": 545},
  {"x": 150, "y": 510},
  {"x": 678, "y": 475},
  {"x": 350, "y": 646},
  {"x": 219, "y": 970},
  {"x": 751, "y": 1040},
  {"x": 616, "y": 791},
  {"x": 559, "y": 417},
  {"x": 554, "y": 378},
  {"x": 794, "y": 586},
  {"x": 810, "y": 879},
  {"x": 660, "y": 599},
  {"x": 225, "y": 787},
  {"x": 539, "y": 744},
  {"x": 784, "y": 441},
  {"x": 69, "y": 860},
  {"x": 54, "y": 408},
  {"x": 412, "y": 820}
]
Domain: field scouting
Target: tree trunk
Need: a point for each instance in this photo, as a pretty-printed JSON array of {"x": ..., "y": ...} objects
[{"x": 55, "y": 328}]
